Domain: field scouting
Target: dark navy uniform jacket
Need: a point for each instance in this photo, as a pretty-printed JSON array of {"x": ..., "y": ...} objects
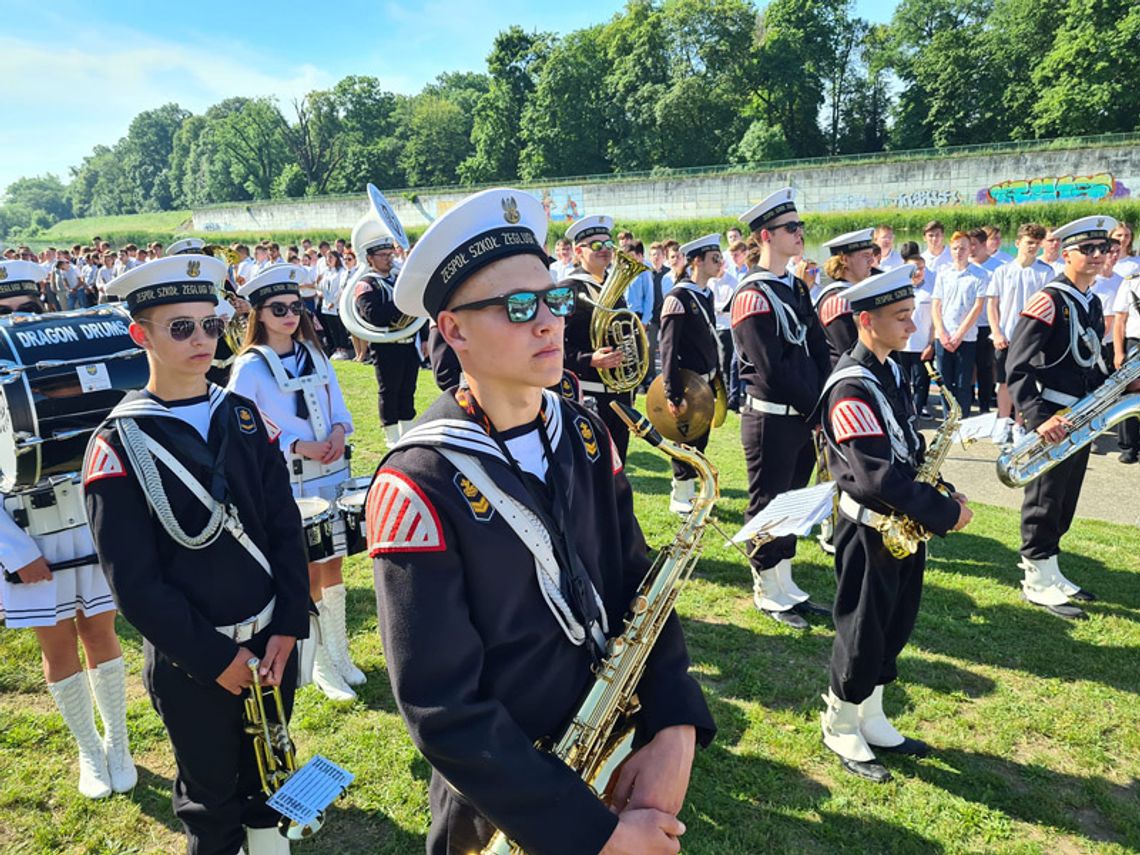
[
  {"x": 173, "y": 595},
  {"x": 375, "y": 305},
  {"x": 837, "y": 320},
  {"x": 773, "y": 368},
  {"x": 859, "y": 446},
  {"x": 1040, "y": 356},
  {"x": 688, "y": 335},
  {"x": 480, "y": 668}
]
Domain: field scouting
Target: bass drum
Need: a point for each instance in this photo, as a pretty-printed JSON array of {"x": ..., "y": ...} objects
[{"x": 60, "y": 375}]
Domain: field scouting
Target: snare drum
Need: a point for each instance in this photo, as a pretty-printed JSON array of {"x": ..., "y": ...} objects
[
  {"x": 317, "y": 518},
  {"x": 350, "y": 502},
  {"x": 60, "y": 375}
]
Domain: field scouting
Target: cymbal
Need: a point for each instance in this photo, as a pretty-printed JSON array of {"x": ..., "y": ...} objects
[{"x": 697, "y": 417}]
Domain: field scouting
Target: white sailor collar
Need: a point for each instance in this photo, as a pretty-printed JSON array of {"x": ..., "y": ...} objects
[{"x": 140, "y": 403}]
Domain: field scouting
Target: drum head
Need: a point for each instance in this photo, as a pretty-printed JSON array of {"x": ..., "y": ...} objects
[
  {"x": 353, "y": 485},
  {"x": 312, "y": 508}
]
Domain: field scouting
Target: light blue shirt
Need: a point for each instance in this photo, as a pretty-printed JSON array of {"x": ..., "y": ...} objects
[
  {"x": 639, "y": 296},
  {"x": 959, "y": 290}
]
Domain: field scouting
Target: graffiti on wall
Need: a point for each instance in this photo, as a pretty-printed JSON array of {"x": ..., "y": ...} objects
[
  {"x": 925, "y": 198},
  {"x": 1060, "y": 189},
  {"x": 561, "y": 203}
]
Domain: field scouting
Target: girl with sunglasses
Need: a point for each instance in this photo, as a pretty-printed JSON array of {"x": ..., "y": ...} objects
[{"x": 283, "y": 370}]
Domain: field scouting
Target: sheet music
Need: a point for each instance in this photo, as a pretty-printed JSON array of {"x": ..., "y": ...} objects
[
  {"x": 976, "y": 427},
  {"x": 794, "y": 512},
  {"x": 310, "y": 790}
]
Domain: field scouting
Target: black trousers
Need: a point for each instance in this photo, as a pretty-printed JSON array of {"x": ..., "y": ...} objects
[
  {"x": 1049, "y": 505},
  {"x": 984, "y": 364},
  {"x": 1128, "y": 431},
  {"x": 397, "y": 366},
  {"x": 337, "y": 334},
  {"x": 780, "y": 455},
  {"x": 618, "y": 431},
  {"x": 216, "y": 789},
  {"x": 915, "y": 372},
  {"x": 876, "y": 603},
  {"x": 683, "y": 471}
]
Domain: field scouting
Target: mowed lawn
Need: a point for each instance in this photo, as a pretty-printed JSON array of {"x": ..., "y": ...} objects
[{"x": 1035, "y": 720}]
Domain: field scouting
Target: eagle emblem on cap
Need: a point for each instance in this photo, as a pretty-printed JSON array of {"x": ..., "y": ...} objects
[
  {"x": 292, "y": 275},
  {"x": 1100, "y": 223},
  {"x": 193, "y": 269},
  {"x": 511, "y": 210},
  {"x": 3, "y": 273}
]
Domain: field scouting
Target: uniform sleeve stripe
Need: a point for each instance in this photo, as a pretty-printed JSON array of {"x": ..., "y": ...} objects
[
  {"x": 852, "y": 418},
  {"x": 102, "y": 462},
  {"x": 1041, "y": 308},
  {"x": 748, "y": 303},
  {"x": 672, "y": 306},
  {"x": 400, "y": 518},
  {"x": 832, "y": 308}
]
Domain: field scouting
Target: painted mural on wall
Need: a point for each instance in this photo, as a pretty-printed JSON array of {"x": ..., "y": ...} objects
[
  {"x": 925, "y": 198},
  {"x": 561, "y": 203},
  {"x": 1060, "y": 189}
]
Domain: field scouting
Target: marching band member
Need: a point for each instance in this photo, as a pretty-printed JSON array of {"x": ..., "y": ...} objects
[
  {"x": 874, "y": 453},
  {"x": 66, "y": 604},
  {"x": 689, "y": 340},
  {"x": 189, "y": 504},
  {"x": 852, "y": 260},
  {"x": 593, "y": 252},
  {"x": 506, "y": 553},
  {"x": 1054, "y": 360},
  {"x": 397, "y": 364},
  {"x": 783, "y": 364},
  {"x": 283, "y": 370}
]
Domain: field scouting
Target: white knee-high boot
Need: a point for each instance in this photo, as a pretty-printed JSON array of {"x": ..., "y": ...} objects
[
  {"x": 325, "y": 674},
  {"x": 840, "y": 725},
  {"x": 336, "y": 638},
  {"x": 266, "y": 841},
  {"x": 73, "y": 697},
  {"x": 109, "y": 684},
  {"x": 391, "y": 434}
]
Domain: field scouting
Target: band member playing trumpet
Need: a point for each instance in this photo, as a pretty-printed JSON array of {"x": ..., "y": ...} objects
[
  {"x": 506, "y": 553},
  {"x": 66, "y": 606},
  {"x": 189, "y": 504},
  {"x": 783, "y": 363},
  {"x": 874, "y": 454},
  {"x": 688, "y": 340},
  {"x": 283, "y": 370}
]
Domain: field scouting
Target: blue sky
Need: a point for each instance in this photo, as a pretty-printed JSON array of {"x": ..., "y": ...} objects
[{"x": 77, "y": 72}]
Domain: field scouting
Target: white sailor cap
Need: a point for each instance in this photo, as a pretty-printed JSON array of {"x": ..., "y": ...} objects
[
  {"x": 380, "y": 228},
  {"x": 186, "y": 245},
  {"x": 483, "y": 228},
  {"x": 780, "y": 202},
  {"x": 172, "y": 279},
  {"x": 851, "y": 242},
  {"x": 1086, "y": 228},
  {"x": 19, "y": 278},
  {"x": 700, "y": 246},
  {"x": 272, "y": 281},
  {"x": 882, "y": 289},
  {"x": 587, "y": 227}
]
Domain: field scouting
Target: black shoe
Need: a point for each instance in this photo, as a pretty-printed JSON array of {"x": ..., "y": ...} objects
[
  {"x": 1128, "y": 456},
  {"x": 909, "y": 747},
  {"x": 788, "y": 618},
  {"x": 1067, "y": 612},
  {"x": 807, "y": 607},
  {"x": 872, "y": 770},
  {"x": 1083, "y": 596},
  {"x": 734, "y": 404}
]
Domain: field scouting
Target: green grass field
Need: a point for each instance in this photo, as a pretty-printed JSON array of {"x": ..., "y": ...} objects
[
  {"x": 1035, "y": 720},
  {"x": 115, "y": 229}
]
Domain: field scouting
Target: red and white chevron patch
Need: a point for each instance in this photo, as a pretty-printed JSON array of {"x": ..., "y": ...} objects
[
  {"x": 102, "y": 462},
  {"x": 833, "y": 307},
  {"x": 270, "y": 427},
  {"x": 748, "y": 303},
  {"x": 1041, "y": 307},
  {"x": 618, "y": 465},
  {"x": 852, "y": 418},
  {"x": 672, "y": 306},
  {"x": 399, "y": 517}
]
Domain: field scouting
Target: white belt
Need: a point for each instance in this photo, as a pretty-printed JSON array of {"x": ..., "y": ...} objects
[
  {"x": 858, "y": 513},
  {"x": 1055, "y": 397},
  {"x": 56, "y": 505},
  {"x": 596, "y": 388},
  {"x": 314, "y": 469},
  {"x": 248, "y": 628},
  {"x": 770, "y": 408}
]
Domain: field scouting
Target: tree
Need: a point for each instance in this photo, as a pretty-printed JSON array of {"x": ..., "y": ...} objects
[
  {"x": 369, "y": 118},
  {"x": 760, "y": 144},
  {"x": 44, "y": 193},
  {"x": 316, "y": 139},
  {"x": 437, "y": 141},
  {"x": 144, "y": 155},
  {"x": 252, "y": 140}
]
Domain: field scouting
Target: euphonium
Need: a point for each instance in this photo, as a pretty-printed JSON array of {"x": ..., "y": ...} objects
[
  {"x": 600, "y": 736},
  {"x": 1092, "y": 415},
  {"x": 405, "y": 327},
  {"x": 273, "y": 748},
  {"x": 620, "y": 329}
]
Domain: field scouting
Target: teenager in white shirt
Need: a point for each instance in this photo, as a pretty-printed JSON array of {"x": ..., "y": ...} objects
[
  {"x": 1127, "y": 264},
  {"x": 937, "y": 254},
  {"x": 884, "y": 238},
  {"x": 993, "y": 245},
  {"x": 564, "y": 260},
  {"x": 331, "y": 284},
  {"x": 920, "y": 346},
  {"x": 1051, "y": 252},
  {"x": 959, "y": 292},
  {"x": 1125, "y": 337}
]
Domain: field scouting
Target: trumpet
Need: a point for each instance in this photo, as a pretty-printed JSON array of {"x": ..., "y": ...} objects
[
  {"x": 273, "y": 748},
  {"x": 620, "y": 329}
]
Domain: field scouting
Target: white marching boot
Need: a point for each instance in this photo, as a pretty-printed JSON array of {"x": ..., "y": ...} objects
[
  {"x": 109, "y": 684},
  {"x": 405, "y": 426},
  {"x": 841, "y": 733},
  {"x": 307, "y": 652},
  {"x": 881, "y": 734},
  {"x": 681, "y": 498},
  {"x": 266, "y": 841},
  {"x": 325, "y": 674},
  {"x": 784, "y": 575},
  {"x": 769, "y": 596},
  {"x": 391, "y": 434},
  {"x": 336, "y": 638},
  {"x": 73, "y": 697},
  {"x": 1042, "y": 586}
]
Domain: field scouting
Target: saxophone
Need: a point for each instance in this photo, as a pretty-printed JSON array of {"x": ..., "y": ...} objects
[
  {"x": 1091, "y": 416},
  {"x": 902, "y": 535},
  {"x": 620, "y": 329},
  {"x": 600, "y": 737}
]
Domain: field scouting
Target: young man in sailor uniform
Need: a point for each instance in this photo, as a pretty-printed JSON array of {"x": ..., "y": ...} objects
[
  {"x": 506, "y": 553},
  {"x": 283, "y": 370},
  {"x": 852, "y": 260},
  {"x": 189, "y": 503},
  {"x": 783, "y": 364},
  {"x": 593, "y": 252},
  {"x": 50, "y": 581},
  {"x": 874, "y": 453},
  {"x": 1054, "y": 360},
  {"x": 689, "y": 340},
  {"x": 397, "y": 364},
  {"x": 223, "y": 354}
]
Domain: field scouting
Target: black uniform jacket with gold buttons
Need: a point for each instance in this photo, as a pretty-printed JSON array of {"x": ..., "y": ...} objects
[
  {"x": 479, "y": 666},
  {"x": 173, "y": 595}
]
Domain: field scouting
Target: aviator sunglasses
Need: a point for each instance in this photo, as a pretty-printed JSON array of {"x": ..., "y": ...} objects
[
  {"x": 599, "y": 245},
  {"x": 522, "y": 306},
  {"x": 181, "y": 329},
  {"x": 1093, "y": 248},
  {"x": 280, "y": 310}
]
